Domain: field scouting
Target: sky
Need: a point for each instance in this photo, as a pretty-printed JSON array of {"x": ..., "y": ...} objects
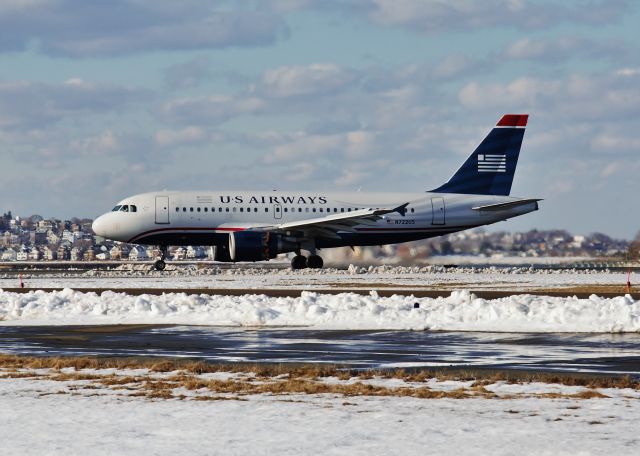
[{"x": 100, "y": 100}]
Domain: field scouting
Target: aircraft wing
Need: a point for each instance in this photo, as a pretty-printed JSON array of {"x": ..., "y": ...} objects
[{"x": 329, "y": 225}]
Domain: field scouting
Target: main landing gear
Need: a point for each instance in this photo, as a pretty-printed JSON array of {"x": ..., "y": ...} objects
[
  {"x": 302, "y": 262},
  {"x": 160, "y": 264}
]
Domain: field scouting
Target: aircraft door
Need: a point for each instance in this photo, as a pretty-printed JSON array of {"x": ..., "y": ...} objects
[
  {"x": 277, "y": 211},
  {"x": 162, "y": 209},
  {"x": 437, "y": 211}
]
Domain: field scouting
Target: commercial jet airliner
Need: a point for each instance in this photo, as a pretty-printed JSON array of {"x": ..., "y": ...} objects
[{"x": 257, "y": 226}]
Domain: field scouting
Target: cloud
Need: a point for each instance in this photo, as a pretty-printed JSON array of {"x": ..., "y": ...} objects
[
  {"x": 435, "y": 16},
  {"x": 562, "y": 48},
  {"x": 123, "y": 27},
  {"x": 606, "y": 97},
  {"x": 188, "y": 75},
  {"x": 615, "y": 140},
  {"x": 25, "y": 104},
  {"x": 430, "y": 16},
  {"x": 207, "y": 110},
  {"x": 278, "y": 91},
  {"x": 302, "y": 80}
]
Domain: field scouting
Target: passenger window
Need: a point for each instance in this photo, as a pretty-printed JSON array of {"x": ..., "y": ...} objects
[
  {"x": 206, "y": 209},
  {"x": 266, "y": 209},
  {"x": 234, "y": 209},
  {"x": 248, "y": 209},
  {"x": 320, "y": 209},
  {"x": 184, "y": 209},
  {"x": 412, "y": 210},
  {"x": 177, "y": 209},
  {"x": 299, "y": 209},
  {"x": 219, "y": 209},
  {"x": 306, "y": 209},
  {"x": 242, "y": 209},
  {"x": 349, "y": 209},
  {"x": 116, "y": 209},
  {"x": 255, "y": 209},
  {"x": 190, "y": 209},
  {"x": 198, "y": 209},
  {"x": 342, "y": 209},
  {"x": 286, "y": 209},
  {"x": 227, "y": 209},
  {"x": 314, "y": 209}
]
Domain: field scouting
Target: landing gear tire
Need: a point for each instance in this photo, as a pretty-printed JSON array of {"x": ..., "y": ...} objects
[
  {"x": 315, "y": 262},
  {"x": 160, "y": 265},
  {"x": 298, "y": 262}
]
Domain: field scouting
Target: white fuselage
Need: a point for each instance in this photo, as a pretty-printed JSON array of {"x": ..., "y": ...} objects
[{"x": 206, "y": 218}]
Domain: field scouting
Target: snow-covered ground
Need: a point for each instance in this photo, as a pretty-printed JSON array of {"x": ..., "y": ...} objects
[
  {"x": 461, "y": 311},
  {"x": 54, "y": 414},
  {"x": 517, "y": 278}
]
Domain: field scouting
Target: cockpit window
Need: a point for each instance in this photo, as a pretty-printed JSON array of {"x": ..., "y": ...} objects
[
  {"x": 133, "y": 208},
  {"x": 116, "y": 209},
  {"x": 124, "y": 208}
]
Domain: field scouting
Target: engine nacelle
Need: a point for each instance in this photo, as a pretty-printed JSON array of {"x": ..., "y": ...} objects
[{"x": 257, "y": 246}]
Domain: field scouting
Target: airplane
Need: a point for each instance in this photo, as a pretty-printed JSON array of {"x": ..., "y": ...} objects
[{"x": 259, "y": 225}]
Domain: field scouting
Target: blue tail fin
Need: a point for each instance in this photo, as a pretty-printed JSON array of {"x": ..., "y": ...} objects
[{"x": 490, "y": 168}]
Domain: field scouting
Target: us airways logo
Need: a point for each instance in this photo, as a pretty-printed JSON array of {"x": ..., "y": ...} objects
[
  {"x": 286, "y": 199},
  {"x": 492, "y": 163}
]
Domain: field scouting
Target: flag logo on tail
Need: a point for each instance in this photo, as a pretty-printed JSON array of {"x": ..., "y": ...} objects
[{"x": 492, "y": 163}]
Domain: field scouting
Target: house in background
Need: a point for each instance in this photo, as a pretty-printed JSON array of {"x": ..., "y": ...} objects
[
  {"x": 64, "y": 253},
  {"x": 23, "y": 254},
  {"x": 77, "y": 254},
  {"x": 9, "y": 255},
  {"x": 50, "y": 253},
  {"x": 35, "y": 254},
  {"x": 138, "y": 253}
]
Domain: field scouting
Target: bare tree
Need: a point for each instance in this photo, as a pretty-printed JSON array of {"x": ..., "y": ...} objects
[{"x": 634, "y": 248}]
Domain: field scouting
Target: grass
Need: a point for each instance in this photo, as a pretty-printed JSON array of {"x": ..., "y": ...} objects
[{"x": 171, "y": 378}]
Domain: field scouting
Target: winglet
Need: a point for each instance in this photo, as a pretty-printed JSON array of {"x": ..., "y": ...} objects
[{"x": 402, "y": 210}]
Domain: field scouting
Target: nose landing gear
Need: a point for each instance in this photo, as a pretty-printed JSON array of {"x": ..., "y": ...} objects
[{"x": 160, "y": 264}]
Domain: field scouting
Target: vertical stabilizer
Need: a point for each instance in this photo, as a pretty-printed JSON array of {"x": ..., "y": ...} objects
[{"x": 490, "y": 168}]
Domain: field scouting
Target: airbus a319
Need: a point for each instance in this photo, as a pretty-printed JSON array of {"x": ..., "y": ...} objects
[{"x": 257, "y": 226}]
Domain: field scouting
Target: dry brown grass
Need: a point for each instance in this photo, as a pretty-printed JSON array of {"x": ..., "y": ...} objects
[
  {"x": 284, "y": 379},
  {"x": 618, "y": 288}
]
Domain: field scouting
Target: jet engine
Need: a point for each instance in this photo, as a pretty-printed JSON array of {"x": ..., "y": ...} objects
[{"x": 257, "y": 245}]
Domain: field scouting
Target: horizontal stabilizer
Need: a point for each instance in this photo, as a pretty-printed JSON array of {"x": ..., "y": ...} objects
[{"x": 506, "y": 206}]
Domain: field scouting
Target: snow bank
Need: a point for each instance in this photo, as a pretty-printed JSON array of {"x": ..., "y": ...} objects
[{"x": 462, "y": 311}]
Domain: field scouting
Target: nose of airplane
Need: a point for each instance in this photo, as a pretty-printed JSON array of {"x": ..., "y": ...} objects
[{"x": 99, "y": 226}]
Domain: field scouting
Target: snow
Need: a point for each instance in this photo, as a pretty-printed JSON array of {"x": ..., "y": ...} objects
[
  {"x": 41, "y": 416},
  {"x": 249, "y": 277},
  {"x": 461, "y": 311}
]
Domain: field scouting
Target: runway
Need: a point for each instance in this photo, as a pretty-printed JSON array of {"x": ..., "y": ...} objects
[{"x": 577, "y": 353}]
